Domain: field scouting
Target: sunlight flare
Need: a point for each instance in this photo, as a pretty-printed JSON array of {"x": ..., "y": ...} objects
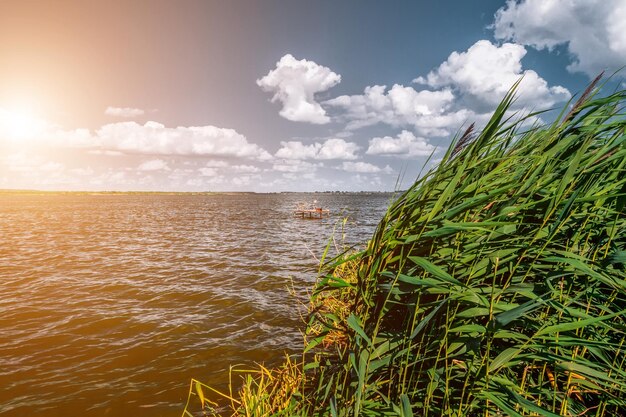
[{"x": 19, "y": 125}]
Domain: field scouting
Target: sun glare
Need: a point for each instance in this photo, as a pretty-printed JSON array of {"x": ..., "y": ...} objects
[{"x": 19, "y": 125}]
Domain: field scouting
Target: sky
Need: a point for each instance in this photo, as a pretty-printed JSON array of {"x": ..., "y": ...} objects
[{"x": 271, "y": 96}]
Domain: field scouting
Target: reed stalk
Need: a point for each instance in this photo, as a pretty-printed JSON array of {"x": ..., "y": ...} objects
[{"x": 494, "y": 286}]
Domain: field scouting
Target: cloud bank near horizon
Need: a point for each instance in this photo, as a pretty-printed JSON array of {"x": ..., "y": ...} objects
[{"x": 362, "y": 131}]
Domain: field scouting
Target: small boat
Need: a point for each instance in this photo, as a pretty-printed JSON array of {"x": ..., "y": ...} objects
[{"x": 310, "y": 211}]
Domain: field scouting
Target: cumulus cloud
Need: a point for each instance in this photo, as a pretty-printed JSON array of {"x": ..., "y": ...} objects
[
  {"x": 127, "y": 112},
  {"x": 151, "y": 138},
  {"x": 331, "y": 149},
  {"x": 364, "y": 167},
  {"x": 485, "y": 72},
  {"x": 405, "y": 145},
  {"x": 147, "y": 156},
  {"x": 294, "y": 83},
  {"x": 154, "y": 165},
  {"x": 155, "y": 138},
  {"x": 429, "y": 112},
  {"x": 466, "y": 87},
  {"x": 593, "y": 31}
]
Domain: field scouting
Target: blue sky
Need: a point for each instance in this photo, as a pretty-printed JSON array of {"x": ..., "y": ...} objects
[{"x": 275, "y": 95}]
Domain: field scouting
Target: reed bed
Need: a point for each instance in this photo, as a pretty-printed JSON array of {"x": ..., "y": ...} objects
[{"x": 494, "y": 286}]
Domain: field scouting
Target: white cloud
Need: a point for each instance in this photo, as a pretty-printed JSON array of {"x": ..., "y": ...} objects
[
  {"x": 485, "y": 72},
  {"x": 337, "y": 149},
  {"x": 245, "y": 180},
  {"x": 208, "y": 172},
  {"x": 213, "y": 167},
  {"x": 364, "y": 167},
  {"x": 405, "y": 145},
  {"x": 114, "y": 139},
  {"x": 141, "y": 150},
  {"x": 297, "y": 150},
  {"x": 154, "y": 165},
  {"x": 213, "y": 163},
  {"x": 429, "y": 112},
  {"x": 294, "y": 83},
  {"x": 155, "y": 138},
  {"x": 331, "y": 149},
  {"x": 296, "y": 166},
  {"x": 593, "y": 31},
  {"x": 127, "y": 112},
  {"x": 250, "y": 169},
  {"x": 464, "y": 88}
]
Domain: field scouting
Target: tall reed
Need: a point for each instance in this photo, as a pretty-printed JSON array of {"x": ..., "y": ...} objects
[{"x": 494, "y": 286}]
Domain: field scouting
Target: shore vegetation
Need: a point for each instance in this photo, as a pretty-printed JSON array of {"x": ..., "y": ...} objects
[{"x": 494, "y": 286}]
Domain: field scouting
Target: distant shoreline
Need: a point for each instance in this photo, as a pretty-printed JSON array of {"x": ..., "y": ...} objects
[{"x": 48, "y": 192}]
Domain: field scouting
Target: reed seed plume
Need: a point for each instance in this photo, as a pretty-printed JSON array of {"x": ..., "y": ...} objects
[
  {"x": 465, "y": 139},
  {"x": 584, "y": 97}
]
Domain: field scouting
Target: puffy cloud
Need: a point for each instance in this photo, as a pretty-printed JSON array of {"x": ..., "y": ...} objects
[
  {"x": 427, "y": 111},
  {"x": 297, "y": 150},
  {"x": 337, "y": 149},
  {"x": 331, "y": 149},
  {"x": 127, "y": 112},
  {"x": 364, "y": 167},
  {"x": 294, "y": 83},
  {"x": 151, "y": 138},
  {"x": 485, "y": 72},
  {"x": 593, "y": 31},
  {"x": 154, "y": 165},
  {"x": 405, "y": 145},
  {"x": 155, "y": 138},
  {"x": 466, "y": 87},
  {"x": 84, "y": 156}
]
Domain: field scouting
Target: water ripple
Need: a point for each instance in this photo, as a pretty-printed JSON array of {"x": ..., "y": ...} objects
[{"x": 111, "y": 303}]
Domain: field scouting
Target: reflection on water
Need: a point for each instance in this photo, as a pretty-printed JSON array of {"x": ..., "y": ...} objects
[{"x": 111, "y": 303}]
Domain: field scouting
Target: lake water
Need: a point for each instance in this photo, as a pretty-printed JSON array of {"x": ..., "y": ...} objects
[{"x": 110, "y": 304}]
